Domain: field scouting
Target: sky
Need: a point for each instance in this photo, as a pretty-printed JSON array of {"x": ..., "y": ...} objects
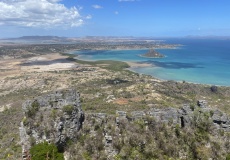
[{"x": 139, "y": 18}]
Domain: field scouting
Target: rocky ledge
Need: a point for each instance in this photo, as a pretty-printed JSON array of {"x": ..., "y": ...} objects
[{"x": 54, "y": 118}]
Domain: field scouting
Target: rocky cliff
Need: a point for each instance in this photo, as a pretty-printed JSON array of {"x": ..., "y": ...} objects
[{"x": 55, "y": 118}]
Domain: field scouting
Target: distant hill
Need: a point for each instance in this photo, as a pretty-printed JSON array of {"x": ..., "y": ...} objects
[{"x": 38, "y": 38}]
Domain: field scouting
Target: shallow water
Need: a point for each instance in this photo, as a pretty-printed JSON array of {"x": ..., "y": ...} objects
[{"x": 205, "y": 61}]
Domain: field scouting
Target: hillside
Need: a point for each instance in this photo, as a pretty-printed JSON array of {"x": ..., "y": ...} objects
[{"x": 126, "y": 115}]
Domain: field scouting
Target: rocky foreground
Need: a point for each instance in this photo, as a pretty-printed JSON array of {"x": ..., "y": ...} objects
[
  {"x": 57, "y": 118},
  {"x": 54, "y": 118}
]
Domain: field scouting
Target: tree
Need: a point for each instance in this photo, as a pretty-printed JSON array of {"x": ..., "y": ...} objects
[{"x": 45, "y": 151}]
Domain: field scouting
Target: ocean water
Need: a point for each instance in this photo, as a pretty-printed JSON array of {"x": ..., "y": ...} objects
[{"x": 205, "y": 61}]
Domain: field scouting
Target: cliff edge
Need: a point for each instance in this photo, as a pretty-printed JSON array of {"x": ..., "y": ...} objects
[{"x": 54, "y": 118}]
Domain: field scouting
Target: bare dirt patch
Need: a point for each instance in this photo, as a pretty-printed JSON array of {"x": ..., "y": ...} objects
[
  {"x": 50, "y": 62},
  {"x": 121, "y": 101}
]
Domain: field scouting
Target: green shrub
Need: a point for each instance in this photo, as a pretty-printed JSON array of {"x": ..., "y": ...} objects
[
  {"x": 25, "y": 121},
  {"x": 35, "y": 105},
  {"x": 192, "y": 107},
  {"x": 177, "y": 130},
  {"x": 211, "y": 113},
  {"x": 44, "y": 151},
  {"x": 53, "y": 114},
  {"x": 87, "y": 156},
  {"x": 228, "y": 157},
  {"x": 68, "y": 109},
  {"x": 33, "y": 109}
]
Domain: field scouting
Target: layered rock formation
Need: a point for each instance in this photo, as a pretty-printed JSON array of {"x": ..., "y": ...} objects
[{"x": 55, "y": 118}]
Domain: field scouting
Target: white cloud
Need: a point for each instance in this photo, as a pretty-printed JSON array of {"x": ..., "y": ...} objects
[
  {"x": 88, "y": 17},
  {"x": 96, "y": 6},
  {"x": 38, "y": 13}
]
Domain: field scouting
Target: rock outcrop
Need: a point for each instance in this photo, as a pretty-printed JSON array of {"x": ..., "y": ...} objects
[
  {"x": 55, "y": 118},
  {"x": 183, "y": 116}
]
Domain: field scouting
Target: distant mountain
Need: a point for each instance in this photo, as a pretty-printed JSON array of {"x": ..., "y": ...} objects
[{"x": 38, "y": 38}]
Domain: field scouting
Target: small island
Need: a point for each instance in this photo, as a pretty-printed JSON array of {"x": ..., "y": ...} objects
[{"x": 152, "y": 54}]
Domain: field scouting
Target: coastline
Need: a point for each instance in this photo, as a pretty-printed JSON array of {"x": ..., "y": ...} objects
[
  {"x": 120, "y": 49},
  {"x": 131, "y": 64},
  {"x": 134, "y": 65}
]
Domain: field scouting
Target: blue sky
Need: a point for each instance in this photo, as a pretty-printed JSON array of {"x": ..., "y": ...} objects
[{"x": 74, "y": 18}]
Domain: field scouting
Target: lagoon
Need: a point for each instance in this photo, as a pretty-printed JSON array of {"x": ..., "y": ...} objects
[{"x": 205, "y": 61}]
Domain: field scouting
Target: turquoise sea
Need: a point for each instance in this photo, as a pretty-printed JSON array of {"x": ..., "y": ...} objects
[{"x": 205, "y": 61}]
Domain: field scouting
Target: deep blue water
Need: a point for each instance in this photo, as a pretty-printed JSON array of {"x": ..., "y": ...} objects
[{"x": 205, "y": 61}]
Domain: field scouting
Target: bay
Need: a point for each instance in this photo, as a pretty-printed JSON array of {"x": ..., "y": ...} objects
[{"x": 205, "y": 61}]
